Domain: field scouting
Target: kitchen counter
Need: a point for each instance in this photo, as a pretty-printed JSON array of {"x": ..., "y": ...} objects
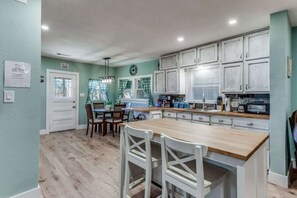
[{"x": 218, "y": 113}]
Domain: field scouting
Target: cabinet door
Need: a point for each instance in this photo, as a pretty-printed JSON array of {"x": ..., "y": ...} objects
[
  {"x": 257, "y": 45},
  {"x": 188, "y": 58},
  {"x": 169, "y": 62},
  {"x": 159, "y": 82},
  {"x": 208, "y": 54},
  {"x": 172, "y": 81},
  {"x": 256, "y": 76},
  {"x": 232, "y": 78},
  {"x": 232, "y": 50}
]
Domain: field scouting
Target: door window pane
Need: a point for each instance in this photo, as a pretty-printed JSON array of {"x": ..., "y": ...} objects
[{"x": 62, "y": 87}]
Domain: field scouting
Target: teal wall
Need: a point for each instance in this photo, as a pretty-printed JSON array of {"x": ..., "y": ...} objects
[
  {"x": 19, "y": 132},
  {"x": 144, "y": 68},
  {"x": 294, "y": 69},
  {"x": 280, "y": 89},
  {"x": 85, "y": 71}
]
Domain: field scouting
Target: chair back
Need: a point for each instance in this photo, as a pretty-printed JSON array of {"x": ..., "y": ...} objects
[
  {"x": 89, "y": 112},
  {"x": 138, "y": 144},
  {"x": 98, "y": 105},
  {"x": 119, "y": 107},
  {"x": 118, "y": 111},
  {"x": 177, "y": 156}
]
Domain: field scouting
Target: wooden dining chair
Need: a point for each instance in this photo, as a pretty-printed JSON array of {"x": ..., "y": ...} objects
[
  {"x": 144, "y": 154},
  {"x": 184, "y": 168},
  {"x": 126, "y": 112},
  {"x": 91, "y": 120},
  {"x": 98, "y": 105},
  {"x": 117, "y": 118}
]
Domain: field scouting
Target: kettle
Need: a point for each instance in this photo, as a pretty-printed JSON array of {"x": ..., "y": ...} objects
[{"x": 227, "y": 104}]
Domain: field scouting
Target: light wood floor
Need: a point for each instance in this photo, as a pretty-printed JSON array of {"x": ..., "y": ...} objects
[{"x": 74, "y": 165}]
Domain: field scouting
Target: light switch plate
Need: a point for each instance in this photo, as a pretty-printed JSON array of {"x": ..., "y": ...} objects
[
  {"x": 8, "y": 96},
  {"x": 23, "y": 1}
]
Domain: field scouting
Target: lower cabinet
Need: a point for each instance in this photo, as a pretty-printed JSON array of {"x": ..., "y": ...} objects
[
  {"x": 221, "y": 121},
  {"x": 168, "y": 114},
  {"x": 155, "y": 115},
  {"x": 185, "y": 117},
  {"x": 201, "y": 119}
]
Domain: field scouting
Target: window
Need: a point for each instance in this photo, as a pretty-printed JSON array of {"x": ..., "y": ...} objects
[
  {"x": 97, "y": 91},
  {"x": 136, "y": 87},
  {"x": 203, "y": 82},
  {"x": 63, "y": 87}
]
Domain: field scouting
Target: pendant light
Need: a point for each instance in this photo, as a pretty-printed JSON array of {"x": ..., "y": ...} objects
[{"x": 107, "y": 79}]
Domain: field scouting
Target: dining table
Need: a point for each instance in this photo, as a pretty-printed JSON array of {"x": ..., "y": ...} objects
[
  {"x": 243, "y": 153},
  {"x": 104, "y": 111}
]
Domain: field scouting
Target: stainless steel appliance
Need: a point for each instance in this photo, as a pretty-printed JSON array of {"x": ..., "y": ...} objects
[
  {"x": 241, "y": 108},
  {"x": 259, "y": 108}
]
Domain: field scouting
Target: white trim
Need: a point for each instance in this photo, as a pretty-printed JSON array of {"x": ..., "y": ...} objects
[
  {"x": 48, "y": 71},
  {"x": 280, "y": 180},
  {"x": 43, "y": 132},
  {"x": 82, "y": 126},
  {"x": 33, "y": 193}
]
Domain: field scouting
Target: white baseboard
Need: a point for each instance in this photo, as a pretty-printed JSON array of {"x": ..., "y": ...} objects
[
  {"x": 83, "y": 126},
  {"x": 33, "y": 193},
  {"x": 43, "y": 132},
  {"x": 280, "y": 180}
]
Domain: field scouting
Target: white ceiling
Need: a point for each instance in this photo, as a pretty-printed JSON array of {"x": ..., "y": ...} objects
[{"x": 131, "y": 31}]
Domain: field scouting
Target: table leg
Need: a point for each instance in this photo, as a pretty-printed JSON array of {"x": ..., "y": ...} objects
[
  {"x": 104, "y": 125},
  {"x": 122, "y": 162}
]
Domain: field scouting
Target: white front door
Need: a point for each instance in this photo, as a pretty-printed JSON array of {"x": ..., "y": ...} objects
[{"x": 62, "y": 98}]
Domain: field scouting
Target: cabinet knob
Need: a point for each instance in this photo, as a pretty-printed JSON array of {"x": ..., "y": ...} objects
[
  {"x": 221, "y": 120},
  {"x": 240, "y": 87},
  {"x": 240, "y": 56},
  {"x": 247, "y": 55},
  {"x": 200, "y": 118},
  {"x": 184, "y": 116},
  {"x": 250, "y": 124},
  {"x": 246, "y": 86}
]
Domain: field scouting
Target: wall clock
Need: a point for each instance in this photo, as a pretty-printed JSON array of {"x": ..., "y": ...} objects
[{"x": 133, "y": 70}]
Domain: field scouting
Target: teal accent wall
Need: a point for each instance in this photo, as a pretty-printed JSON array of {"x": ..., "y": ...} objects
[
  {"x": 19, "y": 132},
  {"x": 294, "y": 69},
  {"x": 280, "y": 90},
  {"x": 144, "y": 68},
  {"x": 85, "y": 71}
]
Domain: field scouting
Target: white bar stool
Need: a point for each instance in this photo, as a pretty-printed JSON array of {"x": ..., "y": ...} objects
[
  {"x": 188, "y": 172},
  {"x": 139, "y": 152}
]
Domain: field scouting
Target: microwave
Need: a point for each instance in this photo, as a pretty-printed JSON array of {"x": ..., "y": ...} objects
[{"x": 258, "y": 108}]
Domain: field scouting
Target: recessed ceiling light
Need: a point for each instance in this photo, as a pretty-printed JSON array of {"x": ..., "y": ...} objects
[
  {"x": 232, "y": 22},
  {"x": 44, "y": 27},
  {"x": 180, "y": 39}
]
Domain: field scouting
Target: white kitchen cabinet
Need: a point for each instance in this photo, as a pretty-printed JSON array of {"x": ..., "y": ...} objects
[
  {"x": 232, "y": 50},
  {"x": 168, "y": 114},
  {"x": 221, "y": 121},
  {"x": 155, "y": 115},
  {"x": 186, "y": 117},
  {"x": 169, "y": 61},
  {"x": 257, "y": 45},
  {"x": 159, "y": 82},
  {"x": 256, "y": 76},
  {"x": 172, "y": 81},
  {"x": 232, "y": 78},
  {"x": 200, "y": 118},
  {"x": 188, "y": 58},
  {"x": 207, "y": 54}
]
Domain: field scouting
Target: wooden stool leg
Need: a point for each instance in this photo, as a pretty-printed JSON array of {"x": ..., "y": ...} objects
[
  {"x": 112, "y": 129},
  {"x": 116, "y": 128}
]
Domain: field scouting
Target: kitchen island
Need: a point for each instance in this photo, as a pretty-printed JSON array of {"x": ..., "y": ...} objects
[{"x": 243, "y": 153}]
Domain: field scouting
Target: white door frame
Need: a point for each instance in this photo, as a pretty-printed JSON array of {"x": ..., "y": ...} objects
[{"x": 48, "y": 71}]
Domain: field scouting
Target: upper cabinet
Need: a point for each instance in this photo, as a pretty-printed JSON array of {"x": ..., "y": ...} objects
[
  {"x": 208, "y": 54},
  {"x": 188, "y": 57},
  {"x": 256, "y": 76},
  {"x": 232, "y": 78},
  {"x": 232, "y": 50},
  {"x": 257, "y": 45},
  {"x": 159, "y": 82},
  {"x": 172, "y": 81},
  {"x": 169, "y": 61}
]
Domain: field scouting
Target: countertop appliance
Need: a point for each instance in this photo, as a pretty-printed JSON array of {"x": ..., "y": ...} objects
[
  {"x": 259, "y": 108},
  {"x": 241, "y": 108}
]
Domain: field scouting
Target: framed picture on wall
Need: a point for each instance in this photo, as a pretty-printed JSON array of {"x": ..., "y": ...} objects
[{"x": 289, "y": 67}]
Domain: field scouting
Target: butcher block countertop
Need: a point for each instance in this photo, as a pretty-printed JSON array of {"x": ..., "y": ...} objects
[
  {"x": 230, "y": 142},
  {"x": 218, "y": 113}
]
